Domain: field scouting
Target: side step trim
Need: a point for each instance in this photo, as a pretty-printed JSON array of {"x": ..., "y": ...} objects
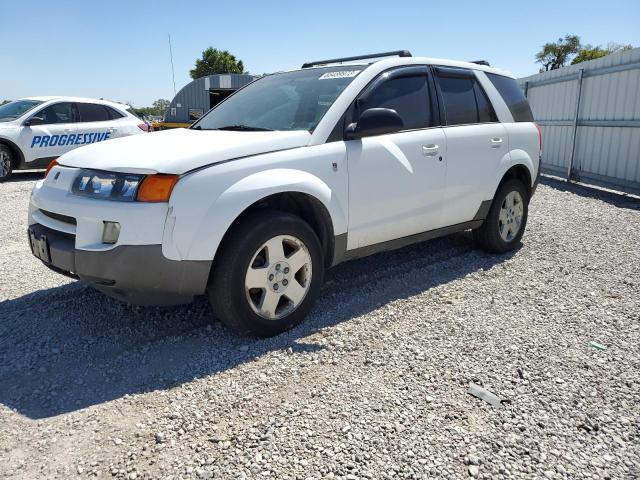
[
  {"x": 409, "y": 240},
  {"x": 341, "y": 254}
]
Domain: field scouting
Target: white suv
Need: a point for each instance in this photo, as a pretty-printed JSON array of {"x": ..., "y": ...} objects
[
  {"x": 292, "y": 174},
  {"x": 36, "y": 130}
]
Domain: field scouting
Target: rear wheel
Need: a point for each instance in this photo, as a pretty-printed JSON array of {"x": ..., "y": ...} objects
[
  {"x": 6, "y": 162},
  {"x": 507, "y": 218},
  {"x": 267, "y": 275}
]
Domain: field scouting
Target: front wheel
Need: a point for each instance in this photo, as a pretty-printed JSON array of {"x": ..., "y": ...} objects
[
  {"x": 507, "y": 219},
  {"x": 6, "y": 163},
  {"x": 267, "y": 275}
]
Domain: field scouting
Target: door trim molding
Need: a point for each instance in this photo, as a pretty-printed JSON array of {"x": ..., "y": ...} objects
[{"x": 341, "y": 254}]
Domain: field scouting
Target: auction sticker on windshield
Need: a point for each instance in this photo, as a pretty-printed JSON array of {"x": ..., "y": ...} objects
[{"x": 339, "y": 74}]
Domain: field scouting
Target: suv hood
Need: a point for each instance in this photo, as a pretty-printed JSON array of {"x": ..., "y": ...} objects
[{"x": 180, "y": 150}]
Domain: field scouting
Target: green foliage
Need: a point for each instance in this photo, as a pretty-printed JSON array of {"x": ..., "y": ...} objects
[
  {"x": 157, "y": 109},
  {"x": 159, "y": 106},
  {"x": 589, "y": 52},
  {"x": 556, "y": 54},
  {"x": 216, "y": 61}
]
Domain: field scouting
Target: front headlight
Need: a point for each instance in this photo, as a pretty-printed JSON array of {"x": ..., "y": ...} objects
[
  {"x": 121, "y": 187},
  {"x": 124, "y": 187}
]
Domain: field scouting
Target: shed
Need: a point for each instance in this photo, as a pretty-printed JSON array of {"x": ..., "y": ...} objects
[{"x": 199, "y": 96}]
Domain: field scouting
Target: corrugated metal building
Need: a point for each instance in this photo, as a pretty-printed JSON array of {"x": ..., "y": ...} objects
[
  {"x": 199, "y": 96},
  {"x": 590, "y": 118}
]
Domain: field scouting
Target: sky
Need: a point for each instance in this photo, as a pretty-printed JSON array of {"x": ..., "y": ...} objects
[{"x": 119, "y": 50}]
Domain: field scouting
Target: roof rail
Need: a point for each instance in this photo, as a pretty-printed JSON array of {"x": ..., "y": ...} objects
[
  {"x": 481, "y": 62},
  {"x": 397, "y": 53}
]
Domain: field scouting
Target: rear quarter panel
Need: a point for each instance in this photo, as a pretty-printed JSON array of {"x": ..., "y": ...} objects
[{"x": 524, "y": 146}]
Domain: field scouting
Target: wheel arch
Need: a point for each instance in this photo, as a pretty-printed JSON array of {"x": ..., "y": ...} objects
[
  {"x": 302, "y": 205},
  {"x": 293, "y": 191},
  {"x": 18, "y": 155},
  {"x": 519, "y": 172},
  {"x": 519, "y": 166}
]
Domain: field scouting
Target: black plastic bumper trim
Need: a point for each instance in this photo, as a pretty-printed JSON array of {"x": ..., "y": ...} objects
[
  {"x": 138, "y": 274},
  {"x": 59, "y": 217}
]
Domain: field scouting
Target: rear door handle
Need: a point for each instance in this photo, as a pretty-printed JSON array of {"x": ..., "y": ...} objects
[
  {"x": 430, "y": 150},
  {"x": 496, "y": 142}
]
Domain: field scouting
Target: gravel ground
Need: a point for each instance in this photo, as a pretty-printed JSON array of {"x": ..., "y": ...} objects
[{"x": 373, "y": 385}]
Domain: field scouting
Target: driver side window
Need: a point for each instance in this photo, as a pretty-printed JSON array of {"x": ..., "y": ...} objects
[
  {"x": 57, "y": 113},
  {"x": 407, "y": 95}
]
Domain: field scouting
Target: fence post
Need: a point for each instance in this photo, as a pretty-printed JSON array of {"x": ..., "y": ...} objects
[{"x": 575, "y": 126}]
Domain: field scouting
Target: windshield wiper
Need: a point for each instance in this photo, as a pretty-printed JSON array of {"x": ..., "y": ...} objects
[{"x": 244, "y": 128}]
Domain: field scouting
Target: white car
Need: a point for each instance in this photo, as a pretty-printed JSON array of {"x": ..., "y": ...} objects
[
  {"x": 292, "y": 174},
  {"x": 36, "y": 130}
]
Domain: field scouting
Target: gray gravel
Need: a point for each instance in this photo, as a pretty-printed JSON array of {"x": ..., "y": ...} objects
[{"x": 373, "y": 385}]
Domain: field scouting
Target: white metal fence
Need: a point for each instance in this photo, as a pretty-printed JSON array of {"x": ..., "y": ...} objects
[{"x": 590, "y": 118}]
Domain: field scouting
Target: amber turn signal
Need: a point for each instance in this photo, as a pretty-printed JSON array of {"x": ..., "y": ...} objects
[
  {"x": 52, "y": 164},
  {"x": 157, "y": 188}
]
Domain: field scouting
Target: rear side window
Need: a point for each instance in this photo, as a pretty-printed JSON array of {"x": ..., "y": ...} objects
[
  {"x": 113, "y": 113},
  {"x": 464, "y": 99},
  {"x": 57, "y": 113},
  {"x": 485, "y": 109},
  {"x": 91, "y": 112},
  {"x": 513, "y": 96},
  {"x": 408, "y": 96}
]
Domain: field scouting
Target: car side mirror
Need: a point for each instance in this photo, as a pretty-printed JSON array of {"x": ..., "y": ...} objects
[
  {"x": 34, "y": 121},
  {"x": 375, "y": 121}
]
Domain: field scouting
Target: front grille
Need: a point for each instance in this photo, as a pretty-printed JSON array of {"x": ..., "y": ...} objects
[{"x": 60, "y": 218}]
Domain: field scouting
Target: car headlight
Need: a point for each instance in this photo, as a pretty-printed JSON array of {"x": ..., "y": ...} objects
[
  {"x": 121, "y": 187},
  {"x": 124, "y": 187}
]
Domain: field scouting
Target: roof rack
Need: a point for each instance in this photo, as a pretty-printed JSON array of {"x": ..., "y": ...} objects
[
  {"x": 481, "y": 62},
  {"x": 397, "y": 53}
]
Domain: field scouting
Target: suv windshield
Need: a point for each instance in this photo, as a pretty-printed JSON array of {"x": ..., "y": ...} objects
[
  {"x": 12, "y": 110},
  {"x": 283, "y": 101}
]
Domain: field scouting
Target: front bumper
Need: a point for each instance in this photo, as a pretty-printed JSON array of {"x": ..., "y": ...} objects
[{"x": 138, "y": 274}]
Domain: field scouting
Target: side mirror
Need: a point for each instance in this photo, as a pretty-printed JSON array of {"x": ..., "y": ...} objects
[
  {"x": 375, "y": 121},
  {"x": 34, "y": 121}
]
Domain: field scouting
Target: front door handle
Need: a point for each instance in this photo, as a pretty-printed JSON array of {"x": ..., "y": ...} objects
[
  {"x": 496, "y": 142},
  {"x": 430, "y": 150}
]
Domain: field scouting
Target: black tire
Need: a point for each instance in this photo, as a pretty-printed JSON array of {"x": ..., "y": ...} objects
[
  {"x": 488, "y": 235},
  {"x": 6, "y": 162},
  {"x": 226, "y": 290}
]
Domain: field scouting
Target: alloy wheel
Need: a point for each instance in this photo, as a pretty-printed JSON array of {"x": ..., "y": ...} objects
[
  {"x": 278, "y": 277},
  {"x": 5, "y": 164},
  {"x": 510, "y": 218}
]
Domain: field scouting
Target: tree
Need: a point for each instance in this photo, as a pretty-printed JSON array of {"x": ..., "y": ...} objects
[
  {"x": 160, "y": 106},
  {"x": 216, "y": 61},
  {"x": 157, "y": 109},
  {"x": 555, "y": 55},
  {"x": 589, "y": 52}
]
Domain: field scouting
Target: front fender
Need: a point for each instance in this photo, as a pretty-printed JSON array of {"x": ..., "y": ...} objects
[{"x": 234, "y": 200}]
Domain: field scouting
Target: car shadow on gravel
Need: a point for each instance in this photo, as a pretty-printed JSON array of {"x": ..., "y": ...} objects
[
  {"x": 617, "y": 199},
  {"x": 70, "y": 347},
  {"x": 25, "y": 176}
]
